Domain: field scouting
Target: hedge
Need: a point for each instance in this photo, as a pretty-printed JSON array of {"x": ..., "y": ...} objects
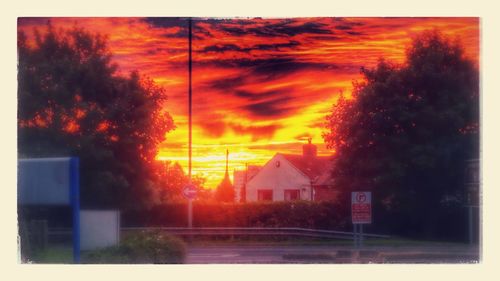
[
  {"x": 449, "y": 224},
  {"x": 141, "y": 247},
  {"x": 320, "y": 215}
]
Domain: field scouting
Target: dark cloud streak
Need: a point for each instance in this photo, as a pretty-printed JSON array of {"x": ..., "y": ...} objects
[
  {"x": 257, "y": 132},
  {"x": 270, "y": 108},
  {"x": 251, "y": 96},
  {"x": 166, "y": 22},
  {"x": 220, "y": 48},
  {"x": 263, "y": 70},
  {"x": 283, "y": 28}
]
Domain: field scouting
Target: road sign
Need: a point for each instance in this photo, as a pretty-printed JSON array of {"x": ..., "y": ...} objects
[
  {"x": 361, "y": 207},
  {"x": 52, "y": 182},
  {"x": 189, "y": 191}
]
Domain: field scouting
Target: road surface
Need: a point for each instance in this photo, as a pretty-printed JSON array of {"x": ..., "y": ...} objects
[{"x": 278, "y": 254}]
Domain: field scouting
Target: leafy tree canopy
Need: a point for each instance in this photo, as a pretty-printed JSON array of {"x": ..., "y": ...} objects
[
  {"x": 172, "y": 179},
  {"x": 225, "y": 190},
  {"x": 72, "y": 102},
  {"x": 407, "y": 131}
]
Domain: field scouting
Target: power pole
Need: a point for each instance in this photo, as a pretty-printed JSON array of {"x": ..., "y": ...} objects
[
  {"x": 190, "y": 65},
  {"x": 227, "y": 157}
]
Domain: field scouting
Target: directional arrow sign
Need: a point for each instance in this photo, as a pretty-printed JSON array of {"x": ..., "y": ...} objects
[{"x": 189, "y": 191}]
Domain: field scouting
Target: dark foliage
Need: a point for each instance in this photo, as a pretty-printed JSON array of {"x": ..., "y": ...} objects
[
  {"x": 321, "y": 215},
  {"x": 145, "y": 247},
  {"x": 406, "y": 133},
  {"x": 72, "y": 102},
  {"x": 225, "y": 190}
]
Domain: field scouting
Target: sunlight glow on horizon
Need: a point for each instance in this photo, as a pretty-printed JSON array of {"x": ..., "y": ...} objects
[{"x": 260, "y": 86}]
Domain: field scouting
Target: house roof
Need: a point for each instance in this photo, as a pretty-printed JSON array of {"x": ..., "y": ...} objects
[
  {"x": 316, "y": 168},
  {"x": 325, "y": 178}
]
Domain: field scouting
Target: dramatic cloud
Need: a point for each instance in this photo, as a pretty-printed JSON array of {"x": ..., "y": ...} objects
[
  {"x": 212, "y": 128},
  {"x": 227, "y": 83},
  {"x": 257, "y": 132},
  {"x": 252, "y": 96},
  {"x": 172, "y": 22},
  {"x": 287, "y": 27},
  {"x": 283, "y": 66},
  {"x": 260, "y": 86},
  {"x": 274, "y": 108},
  {"x": 222, "y": 48},
  {"x": 232, "y": 47}
]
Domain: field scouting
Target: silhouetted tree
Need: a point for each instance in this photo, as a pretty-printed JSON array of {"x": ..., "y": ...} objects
[
  {"x": 72, "y": 102},
  {"x": 171, "y": 180},
  {"x": 406, "y": 133},
  {"x": 225, "y": 191}
]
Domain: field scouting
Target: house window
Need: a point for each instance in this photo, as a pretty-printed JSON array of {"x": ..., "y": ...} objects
[
  {"x": 265, "y": 195},
  {"x": 292, "y": 194}
]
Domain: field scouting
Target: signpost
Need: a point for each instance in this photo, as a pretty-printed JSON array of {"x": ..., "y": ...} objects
[
  {"x": 361, "y": 213},
  {"x": 472, "y": 183},
  {"x": 189, "y": 191}
]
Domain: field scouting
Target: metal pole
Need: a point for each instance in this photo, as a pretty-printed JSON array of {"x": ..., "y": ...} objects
[
  {"x": 190, "y": 201},
  {"x": 190, "y": 96},
  {"x": 190, "y": 213},
  {"x": 361, "y": 235},
  {"x": 470, "y": 225},
  {"x": 75, "y": 203},
  {"x": 355, "y": 234}
]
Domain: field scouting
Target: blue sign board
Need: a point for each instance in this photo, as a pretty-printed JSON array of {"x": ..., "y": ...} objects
[{"x": 52, "y": 182}]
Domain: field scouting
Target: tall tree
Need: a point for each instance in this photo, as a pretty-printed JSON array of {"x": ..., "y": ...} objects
[
  {"x": 171, "y": 180},
  {"x": 71, "y": 101},
  {"x": 406, "y": 133},
  {"x": 225, "y": 191}
]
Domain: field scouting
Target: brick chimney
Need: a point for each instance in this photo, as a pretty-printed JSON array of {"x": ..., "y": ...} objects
[{"x": 309, "y": 150}]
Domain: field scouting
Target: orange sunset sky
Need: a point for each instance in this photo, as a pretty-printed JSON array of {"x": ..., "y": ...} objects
[{"x": 260, "y": 86}]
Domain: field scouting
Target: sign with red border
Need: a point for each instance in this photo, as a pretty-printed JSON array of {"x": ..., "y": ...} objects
[
  {"x": 189, "y": 191},
  {"x": 361, "y": 207}
]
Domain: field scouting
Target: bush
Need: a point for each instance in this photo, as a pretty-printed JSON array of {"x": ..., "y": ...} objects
[
  {"x": 142, "y": 247},
  {"x": 320, "y": 215}
]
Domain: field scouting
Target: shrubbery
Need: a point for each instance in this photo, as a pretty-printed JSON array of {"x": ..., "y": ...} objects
[
  {"x": 142, "y": 247},
  {"x": 320, "y": 215},
  {"x": 451, "y": 222}
]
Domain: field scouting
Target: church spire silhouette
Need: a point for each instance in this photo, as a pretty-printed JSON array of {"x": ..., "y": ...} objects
[
  {"x": 225, "y": 190},
  {"x": 227, "y": 163}
]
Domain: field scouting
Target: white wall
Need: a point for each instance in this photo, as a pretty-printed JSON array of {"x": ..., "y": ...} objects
[
  {"x": 286, "y": 176},
  {"x": 238, "y": 182},
  {"x": 99, "y": 229}
]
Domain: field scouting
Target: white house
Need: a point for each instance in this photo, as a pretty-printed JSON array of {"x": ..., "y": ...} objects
[
  {"x": 240, "y": 178},
  {"x": 238, "y": 183},
  {"x": 289, "y": 177}
]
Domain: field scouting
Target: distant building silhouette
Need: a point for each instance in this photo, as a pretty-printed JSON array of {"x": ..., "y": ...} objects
[{"x": 225, "y": 190}]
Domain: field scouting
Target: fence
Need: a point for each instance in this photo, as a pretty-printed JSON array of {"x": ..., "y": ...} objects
[{"x": 238, "y": 231}]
